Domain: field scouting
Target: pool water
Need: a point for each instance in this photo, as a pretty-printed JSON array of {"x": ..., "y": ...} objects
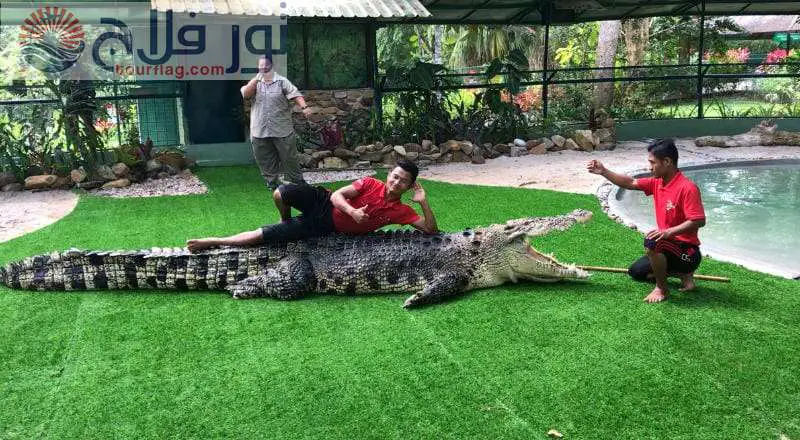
[{"x": 752, "y": 213}]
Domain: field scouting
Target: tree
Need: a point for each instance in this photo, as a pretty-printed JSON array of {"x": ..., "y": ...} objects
[{"x": 606, "y": 54}]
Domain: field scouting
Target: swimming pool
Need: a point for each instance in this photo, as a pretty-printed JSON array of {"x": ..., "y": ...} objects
[{"x": 752, "y": 212}]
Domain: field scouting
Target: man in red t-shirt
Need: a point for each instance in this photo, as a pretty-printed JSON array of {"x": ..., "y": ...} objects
[
  {"x": 359, "y": 208},
  {"x": 673, "y": 248}
]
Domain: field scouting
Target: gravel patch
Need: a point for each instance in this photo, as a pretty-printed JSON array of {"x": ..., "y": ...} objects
[
  {"x": 315, "y": 177},
  {"x": 178, "y": 185}
]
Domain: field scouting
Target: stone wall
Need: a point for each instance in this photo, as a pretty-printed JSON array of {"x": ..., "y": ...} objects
[{"x": 328, "y": 105}]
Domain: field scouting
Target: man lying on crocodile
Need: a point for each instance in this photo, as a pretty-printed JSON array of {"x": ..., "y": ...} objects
[
  {"x": 430, "y": 267},
  {"x": 359, "y": 208}
]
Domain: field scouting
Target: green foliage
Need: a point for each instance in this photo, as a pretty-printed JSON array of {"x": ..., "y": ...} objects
[
  {"x": 575, "y": 45},
  {"x": 337, "y": 56}
]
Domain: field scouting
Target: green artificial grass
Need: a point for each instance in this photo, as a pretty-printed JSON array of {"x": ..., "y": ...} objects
[{"x": 588, "y": 359}]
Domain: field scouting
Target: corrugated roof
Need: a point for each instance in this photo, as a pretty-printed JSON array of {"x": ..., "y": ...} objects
[
  {"x": 574, "y": 11},
  {"x": 767, "y": 24},
  {"x": 300, "y": 8}
]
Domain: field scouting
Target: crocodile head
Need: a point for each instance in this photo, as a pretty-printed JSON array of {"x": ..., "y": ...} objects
[{"x": 524, "y": 260}]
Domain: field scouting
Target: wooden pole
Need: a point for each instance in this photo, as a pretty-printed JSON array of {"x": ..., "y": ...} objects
[{"x": 621, "y": 270}]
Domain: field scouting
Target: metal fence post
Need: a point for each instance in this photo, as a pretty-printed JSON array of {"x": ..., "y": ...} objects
[{"x": 700, "y": 49}]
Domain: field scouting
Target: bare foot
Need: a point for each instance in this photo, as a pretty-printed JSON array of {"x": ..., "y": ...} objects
[
  {"x": 687, "y": 282},
  {"x": 198, "y": 244},
  {"x": 657, "y": 295}
]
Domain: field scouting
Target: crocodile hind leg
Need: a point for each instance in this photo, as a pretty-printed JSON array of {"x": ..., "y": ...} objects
[
  {"x": 290, "y": 279},
  {"x": 443, "y": 286}
]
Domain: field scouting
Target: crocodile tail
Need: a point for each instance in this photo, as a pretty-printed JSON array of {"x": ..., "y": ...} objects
[{"x": 4, "y": 276}]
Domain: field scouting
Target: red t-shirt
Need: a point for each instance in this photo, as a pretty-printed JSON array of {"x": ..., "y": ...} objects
[
  {"x": 381, "y": 212},
  {"x": 675, "y": 203}
]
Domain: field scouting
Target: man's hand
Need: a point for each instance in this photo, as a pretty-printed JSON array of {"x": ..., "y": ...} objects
[
  {"x": 259, "y": 77},
  {"x": 419, "y": 194},
  {"x": 595, "y": 167},
  {"x": 307, "y": 111},
  {"x": 658, "y": 234},
  {"x": 360, "y": 215}
]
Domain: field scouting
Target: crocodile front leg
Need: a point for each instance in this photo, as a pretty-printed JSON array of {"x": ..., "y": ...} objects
[
  {"x": 443, "y": 286},
  {"x": 290, "y": 279}
]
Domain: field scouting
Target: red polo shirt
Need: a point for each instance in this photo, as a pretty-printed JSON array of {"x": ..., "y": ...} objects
[
  {"x": 675, "y": 203},
  {"x": 371, "y": 193}
]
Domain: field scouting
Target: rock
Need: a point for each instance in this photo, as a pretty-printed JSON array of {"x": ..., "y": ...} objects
[
  {"x": 378, "y": 145},
  {"x": 539, "y": 149},
  {"x": 15, "y": 186},
  {"x": 169, "y": 169},
  {"x": 340, "y": 94},
  {"x": 517, "y": 151},
  {"x": 344, "y": 153},
  {"x": 490, "y": 153},
  {"x": 399, "y": 149},
  {"x": 548, "y": 144},
  {"x": 604, "y": 135},
  {"x": 173, "y": 159},
  {"x": 362, "y": 164},
  {"x": 584, "y": 139},
  {"x": 62, "y": 182},
  {"x": 451, "y": 145},
  {"x": 460, "y": 156},
  {"x": 607, "y": 123},
  {"x": 373, "y": 156},
  {"x": 329, "y": 111},
  {"x": 119, "y": 183},
  {"x": 40, "y": 182},
  {"x": 387, "y": 149},
  {"x": 412, "y": 155},
  {"x": 7, "y": 177},
  {"x": 120, "y": 170},
  {"x": 153, "y": 165},
  {"x": 502, "y": 148},
  {"x": 389, "y": 159},
  {"x": 333, "y": 163},
  {"x": 78, "y": 175},
  {"x": 412, "y": 147},
  {"x": 478, "y": 159},
  {"x": 361, "y": 149},
  {"x": 162, "y": 175},
  {"x": 306, "y": 160},
  {"x": 532, "y": 143},
  {"x": 91, "y": 184},
  {"x": 105, "y": 173},
  {"x": 571, "y": 145},
  {"x": 322, "y": 154},
  {"x": 445, "y": 158},
  {"x": 423, "y": 163},
  {"x": 558, "y": 140},
  {"x": 467, "y": 147},
  {"x": 519, "y": 142},
  {"x": 427, "y": 145}
]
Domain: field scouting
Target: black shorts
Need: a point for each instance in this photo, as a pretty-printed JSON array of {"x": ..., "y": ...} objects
[
  {"x": 681, "y": 257},
  {"x": 316, "y": 219}
]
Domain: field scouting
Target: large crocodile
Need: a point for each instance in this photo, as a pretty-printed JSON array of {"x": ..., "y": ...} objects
[{"x": 432, "y": 266}]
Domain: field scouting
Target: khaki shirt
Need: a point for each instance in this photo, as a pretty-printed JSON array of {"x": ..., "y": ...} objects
[{"x": 271, "y": 111}]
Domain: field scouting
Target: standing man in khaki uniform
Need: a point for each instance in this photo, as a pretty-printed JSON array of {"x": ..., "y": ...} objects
[{"x": 271, "y": 129}]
